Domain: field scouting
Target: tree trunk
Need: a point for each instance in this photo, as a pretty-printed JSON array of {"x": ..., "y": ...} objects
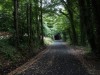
[
  {"x": 41, "y": 20},
  {"x": 96, "y": 10},
  {"x": 30, "y": 26},
  {"x": 68, "y": 6},
  {"x": 16, "y": 23},
  {"x": 37, "y": 23},
  {"x": 87, "y": 20},
  {"x": 74, "y": 34},
  {"x": 82, "y": 26}
]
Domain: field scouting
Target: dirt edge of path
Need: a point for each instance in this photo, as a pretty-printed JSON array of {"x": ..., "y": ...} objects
[
  {"x": 92, "y": 65},
  {"x": 28, "y": 64}
]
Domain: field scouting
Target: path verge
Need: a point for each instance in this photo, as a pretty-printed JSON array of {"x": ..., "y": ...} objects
[{"x": 29, "y": 63}]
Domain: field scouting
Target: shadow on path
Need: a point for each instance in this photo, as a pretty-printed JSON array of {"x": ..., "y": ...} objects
[{"x": 56, "y": 61}]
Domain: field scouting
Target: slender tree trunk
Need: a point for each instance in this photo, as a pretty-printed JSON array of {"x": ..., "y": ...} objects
[
  {"x": 41, "y": 20},
  {"x": 29, "y": 24},
  {"x": 82, "y": 26},
  {"x": 74, "y": 34},
  {"x": 69, "y": 32},
  {"x": 16, "y": 23},
  {"x": 27, "y": 18},
  {"x": 37, "y": 23}
]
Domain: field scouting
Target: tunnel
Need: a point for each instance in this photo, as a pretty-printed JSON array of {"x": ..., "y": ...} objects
[{"x": 57, "y": 36}]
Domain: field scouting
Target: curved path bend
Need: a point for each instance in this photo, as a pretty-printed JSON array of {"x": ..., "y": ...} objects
[{"x": 56, "y": 61}]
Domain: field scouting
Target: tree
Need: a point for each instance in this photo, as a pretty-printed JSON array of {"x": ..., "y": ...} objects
[
  {"x": 16, "y": 23},
  {"x": 96, "y": 11},
  {"x": 68, "y": 6},
  {"x": 82, "y": 25},
  {"x": 41, "y": 23}
]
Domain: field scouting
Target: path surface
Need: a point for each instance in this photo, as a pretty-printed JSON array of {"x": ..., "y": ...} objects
[{"x": 56, "y": 61}]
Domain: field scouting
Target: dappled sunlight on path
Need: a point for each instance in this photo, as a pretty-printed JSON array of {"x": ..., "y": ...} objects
[{"x": 57, "y": 60}]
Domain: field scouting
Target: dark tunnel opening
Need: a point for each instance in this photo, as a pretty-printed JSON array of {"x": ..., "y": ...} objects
[{"x": 57, "y": 36}]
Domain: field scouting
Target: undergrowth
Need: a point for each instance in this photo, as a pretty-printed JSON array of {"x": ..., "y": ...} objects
[{"x": 8, "y": 54}]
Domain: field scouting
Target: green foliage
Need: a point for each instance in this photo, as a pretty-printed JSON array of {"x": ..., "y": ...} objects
[
  {"x": 42, "y": 19},
  {"x": 9, "y": 52},
  {"x": 48, "y": 41},
  {"x": 54, "y": 24},
  {"x": 5, "y": 21}
]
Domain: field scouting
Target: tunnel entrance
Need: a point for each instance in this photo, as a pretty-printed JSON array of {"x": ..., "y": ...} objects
[{"x": 57, "y": 36}]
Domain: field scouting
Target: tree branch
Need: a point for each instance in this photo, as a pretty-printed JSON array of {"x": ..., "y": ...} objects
[{"x": 63, "y": 13}]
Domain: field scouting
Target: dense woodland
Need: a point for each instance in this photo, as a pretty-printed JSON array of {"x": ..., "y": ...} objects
[{"x": 24, "y": 25}]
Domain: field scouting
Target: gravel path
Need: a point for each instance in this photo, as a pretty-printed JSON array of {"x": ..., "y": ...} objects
[{"x": 56, "y": 61}]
